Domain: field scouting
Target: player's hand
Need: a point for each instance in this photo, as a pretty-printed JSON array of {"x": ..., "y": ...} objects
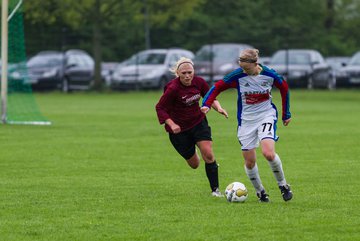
[
  {"x": 175, "y": 128},
  {"x": 205, "y": 109},
  {"x": 223, "y": 112},
  {"x": 286, "y": 122}
]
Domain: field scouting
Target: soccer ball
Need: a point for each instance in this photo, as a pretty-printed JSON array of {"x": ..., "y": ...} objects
[{"x": 236, "y": 192}]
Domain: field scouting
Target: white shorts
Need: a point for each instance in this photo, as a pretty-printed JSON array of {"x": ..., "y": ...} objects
[{"x": 251, "y": 133}]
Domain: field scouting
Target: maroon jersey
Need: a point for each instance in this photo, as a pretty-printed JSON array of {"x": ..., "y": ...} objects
[{"x": 181, "y": 103}]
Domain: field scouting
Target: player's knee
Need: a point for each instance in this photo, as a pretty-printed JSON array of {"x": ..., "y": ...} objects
[
  {"x": 208, "y": 157},
  {"x": 249, "y": 164},
  {"x": 269, "y": 155}
]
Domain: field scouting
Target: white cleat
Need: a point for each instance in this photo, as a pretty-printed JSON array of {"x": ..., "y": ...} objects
[{"x": 217, "y": 193}]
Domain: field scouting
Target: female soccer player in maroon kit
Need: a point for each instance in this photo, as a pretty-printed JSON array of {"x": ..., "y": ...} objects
[{"x": 178, "y": 108}]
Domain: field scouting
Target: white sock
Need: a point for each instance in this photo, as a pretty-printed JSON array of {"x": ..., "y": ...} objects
[
  {"x": 253, "y": 175},
  {"x": 276, "y": 167}
]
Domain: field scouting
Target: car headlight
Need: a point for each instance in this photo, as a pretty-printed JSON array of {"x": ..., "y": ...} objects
[{"x": 49, "y": 73}]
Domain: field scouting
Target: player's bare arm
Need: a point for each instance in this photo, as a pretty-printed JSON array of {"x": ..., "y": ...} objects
[
  {"x": 216, "y": 105},
  {"x": 174, "y": 127}
]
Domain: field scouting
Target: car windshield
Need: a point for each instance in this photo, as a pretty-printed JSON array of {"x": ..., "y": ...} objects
[
  {"x": 45, "y": 61},
  {"x": 147, "y": 59},
  {"x": 296, "y": 58},
  {"x": 355, "y": 60},
  {"x": 219, "y": 53}
]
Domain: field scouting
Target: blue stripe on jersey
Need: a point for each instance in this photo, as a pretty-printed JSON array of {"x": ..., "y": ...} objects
[
  {"x": 271, "y": 73},
  {"x": 235, "y": 76},
  {"x": 279, "y": 79},
  {"x": 276, "y": 138},
  {"x": 274, "y": 106},
  {"x": 207, "y": 95},
  {"x": 239, "y": 105}
]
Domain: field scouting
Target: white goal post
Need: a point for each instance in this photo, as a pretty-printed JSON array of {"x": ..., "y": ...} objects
[{"x": 4, "y": 58}]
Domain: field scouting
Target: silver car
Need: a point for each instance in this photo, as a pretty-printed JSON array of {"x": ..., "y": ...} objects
[
  {"x": 213, "y": 61},
  {"x": 148, "y": 69}
]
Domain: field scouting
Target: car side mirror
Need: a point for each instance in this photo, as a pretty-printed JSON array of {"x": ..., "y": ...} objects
[{"x": 343, "y": 64}]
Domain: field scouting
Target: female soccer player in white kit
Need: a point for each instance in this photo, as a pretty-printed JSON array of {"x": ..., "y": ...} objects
[{"x": 257, "y": 116}]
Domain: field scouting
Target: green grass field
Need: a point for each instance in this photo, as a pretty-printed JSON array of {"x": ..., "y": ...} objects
[{"x": 105, "y": 170}]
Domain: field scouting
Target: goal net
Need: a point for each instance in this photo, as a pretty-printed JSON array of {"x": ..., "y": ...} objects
[{"x": 20, "y": 103}]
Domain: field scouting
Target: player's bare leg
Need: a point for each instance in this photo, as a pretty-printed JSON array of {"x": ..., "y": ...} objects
[
  {"x": 252, "y": 172},
  {"x": 268, "y": 150}
]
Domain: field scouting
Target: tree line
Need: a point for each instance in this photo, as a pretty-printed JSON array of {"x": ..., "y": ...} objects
[{"x": 113, "y": 30}]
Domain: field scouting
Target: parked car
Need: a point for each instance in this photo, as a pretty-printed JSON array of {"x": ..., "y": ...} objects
[
  {"x": 265, "y": 60},
  {"x": 69, "y": 70},
  {"x": 350, "y": 74},
  {"x": 15, "y": 80},
  {"x": 336, "y": 63},
  {"x": 303, "y": 68},
  {"x": 148, "y": 69},
  {"x": 213, "y": 61},
  {"x": 107, "y": 69}
]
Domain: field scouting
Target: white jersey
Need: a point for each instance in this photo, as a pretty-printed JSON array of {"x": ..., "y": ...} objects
[{"x": 254, "y": 94}]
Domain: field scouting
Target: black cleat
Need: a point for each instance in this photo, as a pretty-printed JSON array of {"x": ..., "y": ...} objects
[
  {"x": 263, "y": 197},
  {"x": 286, "y": 192}
]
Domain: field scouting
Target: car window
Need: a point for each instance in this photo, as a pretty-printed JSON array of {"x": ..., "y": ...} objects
[
  {"x": 218, "y": 53},
  {"x": 203, "y": 54},
  {"x": 225, "y": 54},
  {"x": 318, "y": 58},
  {"x": 80, "y": 60},
  {"x": 87, "y": 60},
  {"x": 45, "y": 61},
  {"x": 147, "y": 59},
  {"x": 355, "y": 60},
  {"x": 72, "y": 60},
  {"x": 296, "y": 58},
  {"x": 173, "y": 58}
]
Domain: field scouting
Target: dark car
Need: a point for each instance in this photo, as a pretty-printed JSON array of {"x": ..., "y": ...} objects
[
  {"x": 350, "y": 74},
  {"x": 69, "y": 70},
  {"x": 213, "y": 61},
  {"x": 303, "y": 68}
]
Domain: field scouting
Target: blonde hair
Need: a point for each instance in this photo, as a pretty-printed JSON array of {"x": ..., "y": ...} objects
[
  {"x": 181, "y": 61},
  {"x": 250, "y": 55}
]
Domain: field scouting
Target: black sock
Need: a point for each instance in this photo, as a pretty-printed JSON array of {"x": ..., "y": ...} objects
[{"x": 212, "y": 174}]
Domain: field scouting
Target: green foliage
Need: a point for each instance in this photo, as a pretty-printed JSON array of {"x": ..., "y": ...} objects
[
  {"x": 105, "y": 170},
  {"x": 267, "y": 25}
]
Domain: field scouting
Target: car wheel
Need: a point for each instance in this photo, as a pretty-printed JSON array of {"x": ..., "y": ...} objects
[{"x": 65, "y": 86}]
